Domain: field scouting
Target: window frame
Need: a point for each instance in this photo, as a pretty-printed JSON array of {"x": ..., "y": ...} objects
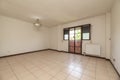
[
  {"x": 82, "y": 31},
  {"x": 89, "y": 31}
]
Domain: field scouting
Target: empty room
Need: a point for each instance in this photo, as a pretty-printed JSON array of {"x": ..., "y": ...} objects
[{"x": 59, "y": 39}]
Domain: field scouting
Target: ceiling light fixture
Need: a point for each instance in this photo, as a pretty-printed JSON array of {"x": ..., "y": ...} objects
[{"x": 37, "y": 23}]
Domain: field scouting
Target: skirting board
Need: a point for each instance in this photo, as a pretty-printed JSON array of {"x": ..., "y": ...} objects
[
  {"x": 114, "y": 68},
  {"x": 60, "y": 51},
  {"x": 78, "y": 54},
  {"x": 22, "y": 53}
]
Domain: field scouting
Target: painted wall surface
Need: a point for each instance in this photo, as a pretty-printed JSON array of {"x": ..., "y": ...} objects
[
  {"x": 115, "y": 29},
  {"x": 98, "y": 34},
  {"x": 53, "y": 37},
  {"x": 17, "y": 36},
  {"x": 108, "y": 35}
]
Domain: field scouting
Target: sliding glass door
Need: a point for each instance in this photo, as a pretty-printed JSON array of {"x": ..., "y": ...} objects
[{"x": 75, "y": 42}]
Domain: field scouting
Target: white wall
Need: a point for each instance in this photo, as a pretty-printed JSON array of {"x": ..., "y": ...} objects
[
  {"x": 98, "y": 35},
  {"x": 116, "y": 35},
  {"x": 53, "y": 33},
  {"x": 108, "y": 35},
  {"x": 17, "y": 36}
]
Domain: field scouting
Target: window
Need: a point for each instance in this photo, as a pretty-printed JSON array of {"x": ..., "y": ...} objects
[
  {"x": 86, "y": 32},
  {"x": 86, "y": 35},
  {"x": 65, "y": 34}
]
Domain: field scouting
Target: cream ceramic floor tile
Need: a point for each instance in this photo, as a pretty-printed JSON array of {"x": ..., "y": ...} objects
[
  {"x": 76, "y": 74},
  {"x": 52, "y": 65},
  {"x": 85, "y": 77},
  {"x": 61, "y": 76},
  {"x": 72, "y": 78}
]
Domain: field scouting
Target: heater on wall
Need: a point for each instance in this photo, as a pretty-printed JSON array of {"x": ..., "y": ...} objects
[{"x": 92, "y": 49}]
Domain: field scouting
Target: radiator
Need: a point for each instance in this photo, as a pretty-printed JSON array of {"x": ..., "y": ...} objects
[{"x": 92, "y": 49}]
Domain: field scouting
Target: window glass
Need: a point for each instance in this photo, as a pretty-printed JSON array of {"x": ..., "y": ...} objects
[
  {"x": 86, "y": 32},
  {"x": 65, "y": 34}
]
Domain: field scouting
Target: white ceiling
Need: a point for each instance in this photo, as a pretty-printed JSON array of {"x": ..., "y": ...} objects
[{"x": 53, "y": 12}]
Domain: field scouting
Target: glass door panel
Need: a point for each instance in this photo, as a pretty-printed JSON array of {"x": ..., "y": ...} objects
[
  {"x": 71, "y": 49},
  {"x": 77, "y": 50},
  {"x": 71, "y": 40},
  {"x": 78, "y": 40}
]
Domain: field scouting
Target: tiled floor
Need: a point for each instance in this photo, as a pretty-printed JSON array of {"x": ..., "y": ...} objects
[{"x": 52, "y": 65}]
